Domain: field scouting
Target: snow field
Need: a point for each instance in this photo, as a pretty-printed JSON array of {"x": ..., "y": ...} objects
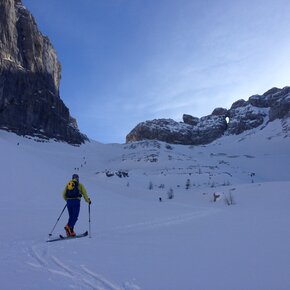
[{"x": 189, "y": 242}]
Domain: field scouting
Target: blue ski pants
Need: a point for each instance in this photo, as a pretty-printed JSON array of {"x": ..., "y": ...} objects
[{"x": 73, "y": 207}]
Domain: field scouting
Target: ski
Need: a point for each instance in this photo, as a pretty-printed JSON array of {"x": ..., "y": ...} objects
[{"x": 62, "y": 238}]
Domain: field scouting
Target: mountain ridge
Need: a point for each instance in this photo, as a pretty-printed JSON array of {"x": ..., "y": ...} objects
[{"x": 242, "y": 116}]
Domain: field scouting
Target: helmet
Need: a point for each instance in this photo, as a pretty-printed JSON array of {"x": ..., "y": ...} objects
[{"x": 75, "y": 176}]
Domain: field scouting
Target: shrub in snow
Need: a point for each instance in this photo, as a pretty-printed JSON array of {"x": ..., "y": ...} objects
[
  {"x": 168, "y": 147},
  {"x": 226, "y": 183},
  {"x": 216, "y": 196},
  {"x": 170, "y": 194},
  {"x": 118, "y": 173},
  {"x": 229, "y": 199},
  {"x": 150, "y": 185},
  {"x": 109, "y": 173},
  {"x": 187, "y": 185},
  {"x": 252, "y": 174}
]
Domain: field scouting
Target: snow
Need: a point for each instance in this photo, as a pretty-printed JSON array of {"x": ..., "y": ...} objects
[{"x": 138, "y": 242}]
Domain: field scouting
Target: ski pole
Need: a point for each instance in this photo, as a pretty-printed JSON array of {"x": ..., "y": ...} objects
[
  {"x": 57, "y": 220},
  {"x": 90, "y": 235}
]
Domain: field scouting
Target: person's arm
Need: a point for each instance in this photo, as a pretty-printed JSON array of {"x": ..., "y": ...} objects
[
  {"x": 64, "y": 193},
  {"x": 84, "y": 193}
]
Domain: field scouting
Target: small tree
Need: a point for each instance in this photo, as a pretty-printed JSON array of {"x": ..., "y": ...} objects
[
  {"x": 170, "y": 194},
  {"x": 187, "y": 185},
  {"x": 229, "y": 200},
  {"x": 252, "y": 174},
  {"x": 226, "y": 183},
  {"x": 150, "y": 185}
]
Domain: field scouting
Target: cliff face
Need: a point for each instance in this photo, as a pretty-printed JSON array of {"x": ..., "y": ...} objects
[
  {"x": 29, "y": 79},
  {"x": 242, "y": 116}
]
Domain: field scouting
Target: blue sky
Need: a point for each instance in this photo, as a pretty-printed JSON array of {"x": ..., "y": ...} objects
[{"x": 128, "y": 61}]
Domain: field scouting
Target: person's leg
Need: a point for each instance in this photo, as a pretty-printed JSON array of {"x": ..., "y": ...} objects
[
  {"x": 74, "y": 213},
  {"x": 67, "y": 228},
  {"x": 70, "y": 209}
]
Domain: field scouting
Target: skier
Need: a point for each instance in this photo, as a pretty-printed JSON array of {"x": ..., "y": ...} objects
[{"x": 72, "y": 194}]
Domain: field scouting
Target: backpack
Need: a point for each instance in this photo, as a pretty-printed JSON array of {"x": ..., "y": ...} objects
[{"x": 72, "y": 189}]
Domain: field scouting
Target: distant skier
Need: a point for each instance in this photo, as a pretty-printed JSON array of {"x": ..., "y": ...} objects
[{"x": 72, "y": 194}]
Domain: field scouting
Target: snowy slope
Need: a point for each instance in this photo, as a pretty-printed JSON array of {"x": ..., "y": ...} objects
[{"x": 188, "y": 242}]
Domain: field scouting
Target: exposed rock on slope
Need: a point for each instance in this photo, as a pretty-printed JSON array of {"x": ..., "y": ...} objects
[
  {"x": 243, "y": 115},
  {"x": 29, "y": 79}
]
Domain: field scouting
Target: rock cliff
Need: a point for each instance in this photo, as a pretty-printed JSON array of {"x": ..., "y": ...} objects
[
  {"x": 29, "y": 79},
  {"x": 242, "y": 116}
]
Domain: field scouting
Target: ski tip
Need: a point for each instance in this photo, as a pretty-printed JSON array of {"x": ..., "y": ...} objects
[
  {"x": 61, "y": 237},
  {"x": 53, "y": 240}
]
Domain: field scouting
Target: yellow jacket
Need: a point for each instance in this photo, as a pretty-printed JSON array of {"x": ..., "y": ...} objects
[{"x": 82, "y": 191}]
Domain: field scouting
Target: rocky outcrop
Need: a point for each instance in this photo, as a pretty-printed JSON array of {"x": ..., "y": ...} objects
[
  {"x": 208, "y": 129},
  {"x": 29, "y": 79},
  {"x": 190, "y": 120},
  {"x": 245, "y": 118},
  {"x": 242, "y": 116},
  {"x": 162, "y": 129},
  {"x": 277, "y": 100}
]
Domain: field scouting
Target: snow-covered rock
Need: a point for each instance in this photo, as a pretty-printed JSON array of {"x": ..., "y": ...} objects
[
  {"x": 242, "y": 116},
  {"x": 245, "y": 118},
  {"x": 207, "y": 129}
]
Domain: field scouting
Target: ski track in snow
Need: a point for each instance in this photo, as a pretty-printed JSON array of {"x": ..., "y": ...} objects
[
  {"x": 151, "y": 225},
  {"x": 84, "y": 278},
  {"x": 100, "y": 279}
]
